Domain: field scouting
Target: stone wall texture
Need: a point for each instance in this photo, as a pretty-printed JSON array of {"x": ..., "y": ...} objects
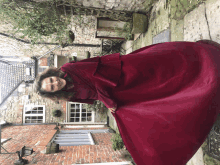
[
  {"x": 15, "y": 105},
  {"x": 84, "y": 34},
  {"x": 13, "y": 47},
  {"x": 84, "y": 31},
  {"x": 49, "y": 105},
  {"x": 128, "y": 5},
  {"x": 14, "y": 112}
]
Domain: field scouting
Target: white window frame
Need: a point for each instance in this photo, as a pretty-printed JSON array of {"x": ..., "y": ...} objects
[
  {"x": 80, "y": 117},
  {"x": 28, "y": 108},
  {"x": 46, "y": 67}
]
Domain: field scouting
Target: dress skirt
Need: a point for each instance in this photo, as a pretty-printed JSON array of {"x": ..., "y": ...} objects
[{"x": 168, "y": 99}]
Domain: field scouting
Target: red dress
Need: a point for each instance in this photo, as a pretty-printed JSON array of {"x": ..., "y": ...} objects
[{"x": 167, "y": 97}]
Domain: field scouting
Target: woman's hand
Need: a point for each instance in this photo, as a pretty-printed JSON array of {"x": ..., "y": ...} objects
[{"x": 112, "y": 109}]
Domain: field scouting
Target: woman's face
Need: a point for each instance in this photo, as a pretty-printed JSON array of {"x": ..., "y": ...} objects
[{"x": 53, "y": 84}]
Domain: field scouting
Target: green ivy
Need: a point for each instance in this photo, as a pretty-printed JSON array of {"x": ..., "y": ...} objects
[
  {"x": 35, "y": 20},
  {"x": 118, "y": 143},
  {"x": 127, "y": 29},
  {"x": 96, "y": 106}
]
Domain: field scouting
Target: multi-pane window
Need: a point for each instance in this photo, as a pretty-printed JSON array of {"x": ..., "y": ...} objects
[
  {"x": 79, "y": 114},
  {"x": 42, "y": 68},
  {"x": 34, "y": 114}
]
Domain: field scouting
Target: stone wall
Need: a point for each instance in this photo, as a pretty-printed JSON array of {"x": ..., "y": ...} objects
[
  {"x": 49, "y": 105},
  {"x": 128, "y": 5},
  {"x": 83, "y": 35},
  {"x": 84, "y": 31},
  {"x": 14, "y": 112},
  {"x": 13, "y": 47},
  {"x": 15, "y": 105}
]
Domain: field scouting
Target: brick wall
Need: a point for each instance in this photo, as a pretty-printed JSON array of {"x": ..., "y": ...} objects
[
  {"x": 25, "y": 136},
  {"x": 43, "y": 61},
  {"x": 38, "y": 136},
  {"x": 63, "y": 103}
]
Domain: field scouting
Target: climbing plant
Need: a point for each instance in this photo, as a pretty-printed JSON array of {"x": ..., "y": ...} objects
[
  {"x": 117, "y": 142},
  {"x": 96, "y": 106},
  {"x": 35, "y": 20}
]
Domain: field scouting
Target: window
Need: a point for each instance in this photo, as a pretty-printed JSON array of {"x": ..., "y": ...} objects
[
  {"x": 42, "y": 68},
  {"x": 77, "y": 113},
  {"x": 34, "y": 114}
]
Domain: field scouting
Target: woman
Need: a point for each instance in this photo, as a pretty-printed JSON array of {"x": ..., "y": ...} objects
[{"x": 165, "y": 96}]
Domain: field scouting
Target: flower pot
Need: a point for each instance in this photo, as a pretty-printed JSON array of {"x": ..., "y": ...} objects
[{"x": 57, "y": 113}]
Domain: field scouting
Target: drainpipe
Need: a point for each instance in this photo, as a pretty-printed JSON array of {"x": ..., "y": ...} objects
[
  {"x": 22, "y": 124},
  {"x": 1, "y": 137},
  {"x": 84, "y": 45},
  {"x": 45, "y": 43},
  {"x": 48, "y": 52}
]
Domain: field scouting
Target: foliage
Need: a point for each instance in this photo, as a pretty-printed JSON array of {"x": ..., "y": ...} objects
[
  {"x": 208, "y": 159},
  {"x": 35, "y": 20},
  {"x": 117, "y": 142},
  {"x": 127, "y": 156},
  {"x": 127, "y": 29},
  {"x": 96, "y": 106},
  {"x": 54, "y": 113}
]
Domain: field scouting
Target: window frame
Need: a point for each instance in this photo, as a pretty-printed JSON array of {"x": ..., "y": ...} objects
[
  {"x": 29, "y": 107},
  {"x": 80, "y": 121},
  {"x": 46, "y": 67}
]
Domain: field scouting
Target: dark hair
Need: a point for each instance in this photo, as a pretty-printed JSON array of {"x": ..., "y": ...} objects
[{"x": 58, "y": 95}]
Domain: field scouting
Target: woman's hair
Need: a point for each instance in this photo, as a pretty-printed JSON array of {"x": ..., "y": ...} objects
[{"x": 58, "y": 95}]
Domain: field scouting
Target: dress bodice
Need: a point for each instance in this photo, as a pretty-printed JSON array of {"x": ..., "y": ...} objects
[{"x": 83, "y": 91}]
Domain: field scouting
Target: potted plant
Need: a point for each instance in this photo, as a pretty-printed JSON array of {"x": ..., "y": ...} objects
[{"x": 57, "y": 113}]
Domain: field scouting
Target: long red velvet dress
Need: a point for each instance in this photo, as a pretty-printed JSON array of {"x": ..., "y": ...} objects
[{"x": 167, "y": 97}]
